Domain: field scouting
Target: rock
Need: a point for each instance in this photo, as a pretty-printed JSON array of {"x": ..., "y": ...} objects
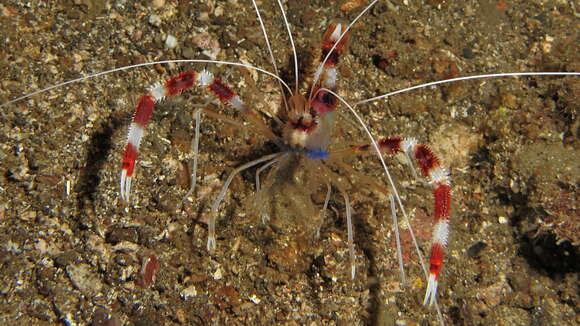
[
  {"x": 170, "y": 42},
  {"x": 155, "y": 20},
  {"x": 118, "y": 234},
  {"x": 475, "y": 250},
  {"x": 84, "y": 279}
]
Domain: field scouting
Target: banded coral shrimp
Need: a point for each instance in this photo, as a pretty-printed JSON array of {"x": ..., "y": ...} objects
[{"x": 44, "y": 229}]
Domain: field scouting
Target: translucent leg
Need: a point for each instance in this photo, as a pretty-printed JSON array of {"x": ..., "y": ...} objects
[
  {"x": 411, "y": 166},
  {"x": 264, "y": 215},
  {"x": 398, "y": 239},
  {"x": 350, "y": 235},
  {"x": 211, "y": 244},
  {"x": 259, "y": 171},
  {"x": 324, "y": 207},
  {"x": 195, "y": 152}
]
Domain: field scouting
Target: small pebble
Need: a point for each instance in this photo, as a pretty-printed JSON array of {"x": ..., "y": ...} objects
[
  {"x": 502, "y": 220},
  {"x": 475, "y": 250},
  {"x": 101, "y": 317},
  {"x": 468, "y": 53},
  {"x": 84, "y": 279},
  {"x": 155, "y": 20},
  {"x": 188, "y": 53},
  {"x": 117, "y": 233},
  {"x": 157, "y": 3},
  {"x": 218, "y": 275},
  {"x": 120, "y": 4},
  {"x": 188, "y": 292},
  {"x": 149, "y": 267},
  {"x": 255, "y": 299},
  {"x": 170, "y": 42},
  {"x": 219, "y": 11}
]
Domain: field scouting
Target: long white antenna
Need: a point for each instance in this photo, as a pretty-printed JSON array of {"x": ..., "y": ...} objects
[
  {"x": 270, "y": 50},
  {"x": 18, "y": 99},
  {"x": 482, "y": 76},
  {"x": 292, "y": 43}
]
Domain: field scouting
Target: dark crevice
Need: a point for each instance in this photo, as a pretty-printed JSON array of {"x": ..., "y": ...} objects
[
  {"x": 541, "y": 249},
  {"x": 543, "y": 252}
]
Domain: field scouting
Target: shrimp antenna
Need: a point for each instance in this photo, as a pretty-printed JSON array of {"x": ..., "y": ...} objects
[
  {"x": 145, "y": 64},
  {"x": 452, "y": 80},
  {"x": 292, "y": 43},
  {"x": 270, "y": 50}
]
